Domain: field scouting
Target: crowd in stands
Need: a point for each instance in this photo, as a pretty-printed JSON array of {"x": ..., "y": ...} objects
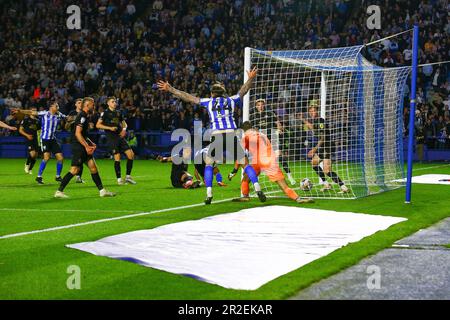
[{"x": 125, "y": 46}]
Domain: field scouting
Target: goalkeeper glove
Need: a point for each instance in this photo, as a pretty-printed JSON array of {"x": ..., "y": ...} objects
[{"x": 232, "y": 174}]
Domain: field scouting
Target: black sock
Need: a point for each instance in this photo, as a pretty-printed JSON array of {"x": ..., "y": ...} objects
[
  {"x": 80, "y": 172},
  {"x": 333, "y": 175},
  {"x": 28, "y": 160},
  {"x": 97, "y": 180},
  {"x": 117, "y": 168},
  {"x": 129, "y": 166},
  {"x": 65, "y": 181},
  {"x": 320, "y": 173},
  {"x": 32, "y": 162},
  {"x": 285, "y": 164}
]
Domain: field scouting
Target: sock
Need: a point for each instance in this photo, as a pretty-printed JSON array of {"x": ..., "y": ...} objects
[
  {"x": 42, "y": 167},
  {"x": 219, "y": 177},
  {"x": 245, "y": 188},
  {"x": 285, "y": 165},
  {"x": 32, "y": 162},
  {"x": 59, "y": 166},
  {"x": 28, "y": 161},
  {"x": 97, "y": 180},
  {"x": 129, "y": 166},
  {"x": 117, "y": 169},
  {"x": 209, "y": 192},
  {"x": 80, "y": 172},
  {"x": 251, "y": 174},
  {"x": 208, "y": 176},
  {"x": 65, "y": 181},
  {"x": 320, "y": 173},
  {"x": 333, "y": 175},
  {"x": 291, "y": 193}
]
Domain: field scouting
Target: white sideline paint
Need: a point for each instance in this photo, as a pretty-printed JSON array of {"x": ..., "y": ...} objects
[
  {"x": 135, "y": 215},
  {"x": 430, "y": 179},
  {"x": 241, "y": 250},
  {"x": 106, "y": 220}
]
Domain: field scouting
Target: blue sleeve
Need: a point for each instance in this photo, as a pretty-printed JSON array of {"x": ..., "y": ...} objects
[
  {"x": 204, "y": 102},
  {"x": 236, "y": 99}
]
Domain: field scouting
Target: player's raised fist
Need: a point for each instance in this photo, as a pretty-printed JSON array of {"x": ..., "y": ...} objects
[
  {"x": 163, "y": 85},
  {"x": 252, "y": 73}
]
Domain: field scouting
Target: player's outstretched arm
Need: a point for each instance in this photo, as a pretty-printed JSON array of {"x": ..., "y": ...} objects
[
  {"x": 248, "y": 84},
  {"x": 4, "y": 125},
  {"x": 25, "y": 112},
  {"x": 165, "y": 86}
]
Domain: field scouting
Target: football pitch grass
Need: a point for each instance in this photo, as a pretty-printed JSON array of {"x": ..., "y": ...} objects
[{"x": 34, "y": 265}]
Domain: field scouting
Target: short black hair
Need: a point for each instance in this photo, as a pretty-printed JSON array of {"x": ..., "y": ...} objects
[{"x": 246, "y": 126}]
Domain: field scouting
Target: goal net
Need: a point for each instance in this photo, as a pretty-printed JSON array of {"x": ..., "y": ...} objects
[{"x": 361, "y": 106}]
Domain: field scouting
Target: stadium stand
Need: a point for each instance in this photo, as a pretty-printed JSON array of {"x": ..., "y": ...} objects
[{"x": 125, "y": 46}]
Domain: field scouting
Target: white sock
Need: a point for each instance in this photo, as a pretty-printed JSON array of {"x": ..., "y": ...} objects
[
  {"x": 209, "y": 192},
  {"x": 119, "y": 179},
  {"x": 257, "y": 187},
  {"x": 128, "y": 176},
  {"x": 289, "y": 176}
]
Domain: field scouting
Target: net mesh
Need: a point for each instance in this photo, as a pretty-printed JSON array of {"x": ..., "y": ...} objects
[{"x": 360, "y": 103}]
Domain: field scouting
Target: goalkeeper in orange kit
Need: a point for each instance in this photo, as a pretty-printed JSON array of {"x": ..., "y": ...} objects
[{"x": 262, "y": 159}]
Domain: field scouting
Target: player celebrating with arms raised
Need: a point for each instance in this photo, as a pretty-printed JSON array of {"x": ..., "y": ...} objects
[
  {"x": 115, "y": 126},
  {"x": 83, "y": 150},
  {"x": 324, "y": 149},
  {"x": 220, "y": 110}
]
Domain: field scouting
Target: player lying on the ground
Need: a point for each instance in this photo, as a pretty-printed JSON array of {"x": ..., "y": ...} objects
[
  {"x": 324, "y": 149},
  {"x": 4, "y": 125},
  {"x": 221, "y": 109},
  {"x": 267, "y": 121},
  {"x": 200, "y": 166},
  {"x": 29, "y": 127},
  {"x": 69, "y": 126},
  {"x": 82, "y": 151},
  {"x": 115, "y": 127},
  {"x": 263, "y": 159},
  {"x": 179, "y": 175},
  {"x": 49, "y": 121}
]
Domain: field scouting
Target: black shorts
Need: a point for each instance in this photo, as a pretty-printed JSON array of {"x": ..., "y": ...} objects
[
  {"x": 79, "y": 155},
  {"x": 117, "y": 144},
  {"x": 51, "y": 146},
  {"x": 32, "y": 145},
  {"x": 231, "y": 148},
  {"x": 326, "y": 152}
]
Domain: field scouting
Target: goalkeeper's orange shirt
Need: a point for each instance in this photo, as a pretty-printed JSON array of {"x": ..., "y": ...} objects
[{"x": 260, "y": 149}]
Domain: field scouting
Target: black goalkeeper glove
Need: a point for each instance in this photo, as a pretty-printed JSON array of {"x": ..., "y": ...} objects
[{"x": 232, "y": 174}]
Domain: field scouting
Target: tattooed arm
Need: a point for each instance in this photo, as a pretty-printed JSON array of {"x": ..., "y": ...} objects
[
  {"x": 165, "y": 86},
  {"x": 248, "y": 84}
]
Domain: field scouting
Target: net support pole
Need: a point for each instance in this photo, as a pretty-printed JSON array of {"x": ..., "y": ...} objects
[
  {"x": 412, "y": 112},
  {"x": 323, "y": 95},
  {"x": 246, "y": 102}
]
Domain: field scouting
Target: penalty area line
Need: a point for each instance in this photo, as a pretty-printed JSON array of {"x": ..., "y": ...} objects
[{"x": 69, "y": 226}]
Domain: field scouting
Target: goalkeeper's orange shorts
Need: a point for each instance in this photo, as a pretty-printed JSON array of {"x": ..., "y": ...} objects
[{"x": 272, "y": 171}]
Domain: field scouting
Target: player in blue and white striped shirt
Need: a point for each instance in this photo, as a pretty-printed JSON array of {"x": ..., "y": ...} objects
[
  {"x": 49, "y": 123},
  {"x": 221, "y": 109}
]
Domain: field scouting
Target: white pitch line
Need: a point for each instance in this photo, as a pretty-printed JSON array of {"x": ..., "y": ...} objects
[
  {"x": 106, "y": 220},
  {"x": 65, "y": 210}
]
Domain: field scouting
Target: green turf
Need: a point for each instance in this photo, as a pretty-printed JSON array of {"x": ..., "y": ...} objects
[{"x": 35, "y": 266}]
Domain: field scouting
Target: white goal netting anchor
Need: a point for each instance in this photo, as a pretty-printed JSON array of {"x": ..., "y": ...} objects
[{"x": 360, "y": 103}]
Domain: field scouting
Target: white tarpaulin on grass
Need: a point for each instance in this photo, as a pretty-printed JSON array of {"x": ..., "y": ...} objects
[
  {"x": 241, "y": 250},
  {"x": 430, "y": 179}
]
